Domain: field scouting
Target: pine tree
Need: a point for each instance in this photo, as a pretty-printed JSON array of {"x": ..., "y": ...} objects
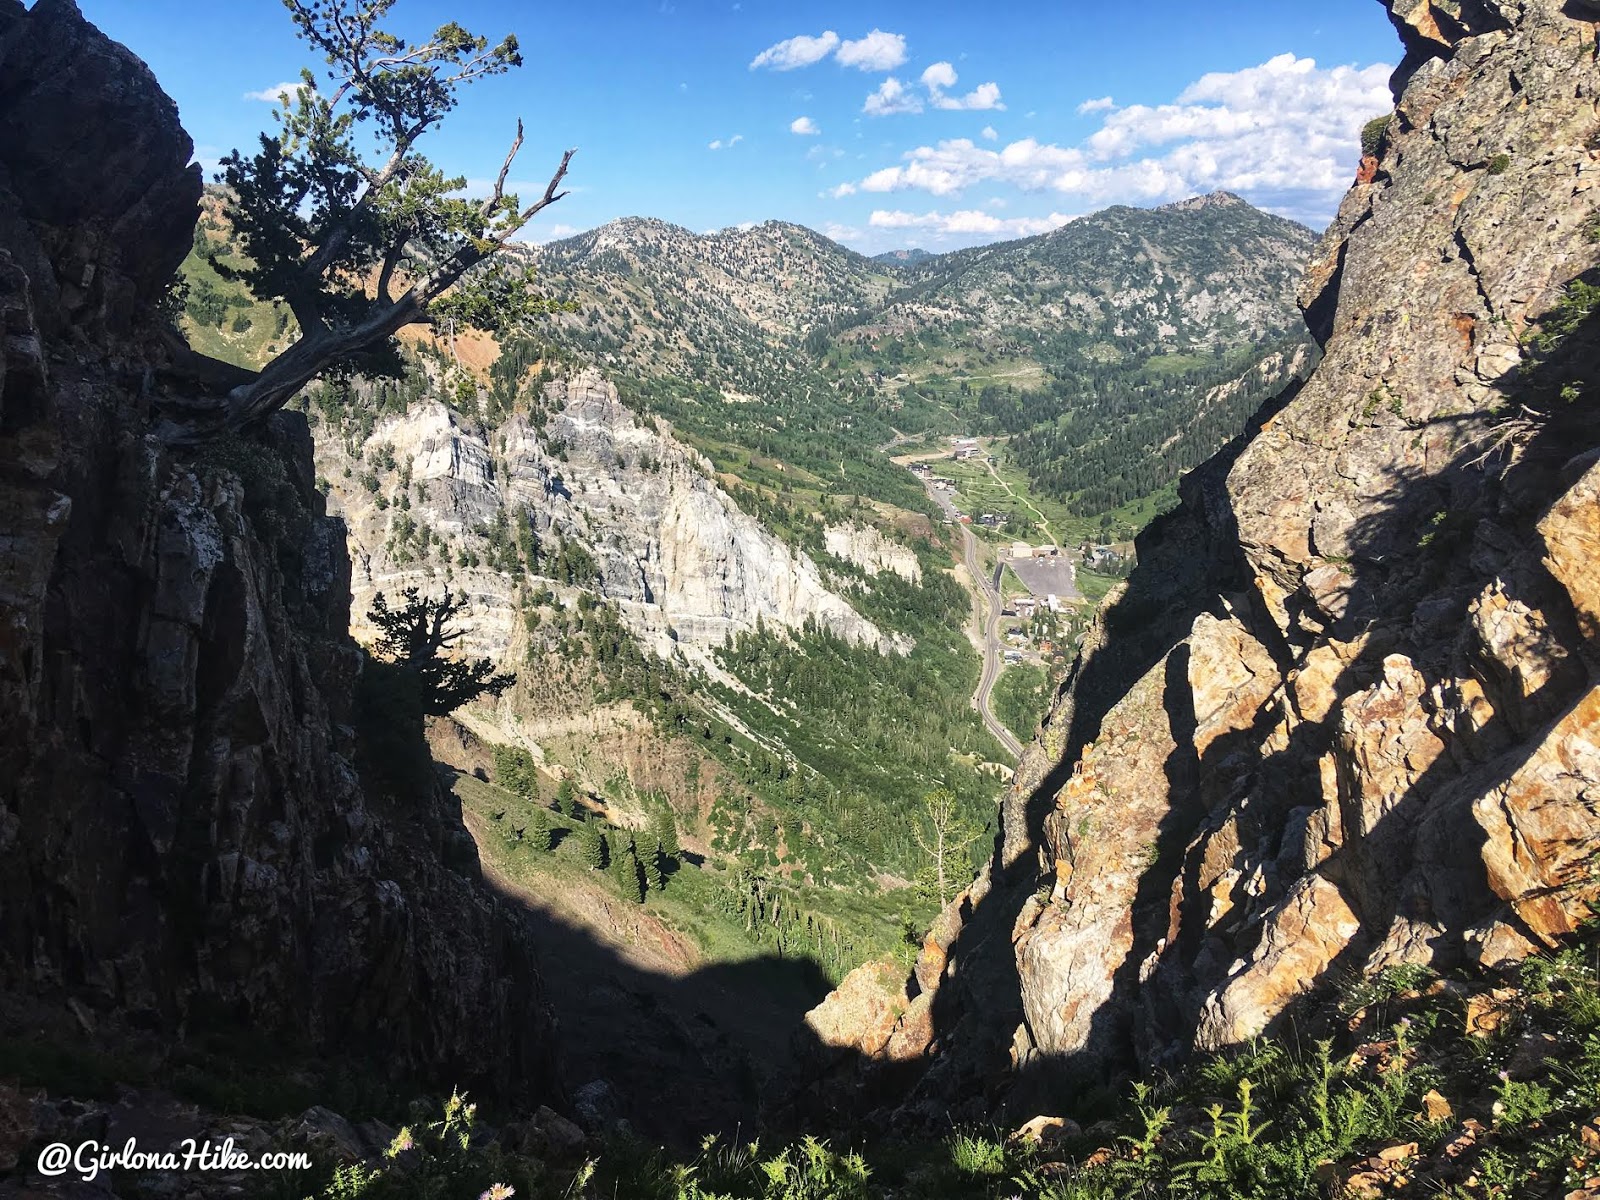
[
  {"x": 593, "y": 848},
  {"x": 651, "y": 863},
  {"x": 625, "y": 865},
  {"x": 339, "y": 206},
  {"x": 514, "y": 770},
  {"x": 666, "y": 831},
  {"x": 415, "y": 638},
  {"x": 566, "y": 798},
  {"x": 539, "y": 829}
]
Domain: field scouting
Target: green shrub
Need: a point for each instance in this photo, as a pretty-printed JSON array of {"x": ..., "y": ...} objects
[{"x": 1372, "y": 133}]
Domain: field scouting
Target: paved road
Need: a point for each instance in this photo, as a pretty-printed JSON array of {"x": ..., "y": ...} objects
[
  {"x": 990, "y": 592},
  {"x": 991, "y": 648}
]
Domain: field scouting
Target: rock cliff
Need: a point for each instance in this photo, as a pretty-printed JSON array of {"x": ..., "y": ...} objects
[
  {"x": 1345, "y": 714},
  {"x": 189, "y": 843},
  {"x": 686, "y": 566}
]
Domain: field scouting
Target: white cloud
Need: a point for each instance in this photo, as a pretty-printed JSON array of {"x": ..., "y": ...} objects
[
  {"x": 844, "y": 189},
  {"x": 892, "y": 96},
  {"x": 967, "y": 222},
  {"x": 277, "y": 91},
  {"x": 990, "y": 133},
  {"x": 878, "y": 51},
  {"x": 941, "y": 76},
  {"x": 549, "y": 233},
  {"x": 804, "y": 126},
  {"x": 726, "y": 144},
  {"x": 984, "y": 97},
  {"x": 795, "y": 52},
  {"x": 1284, "y": 134},
  {"x": 1094, "y": 106}
]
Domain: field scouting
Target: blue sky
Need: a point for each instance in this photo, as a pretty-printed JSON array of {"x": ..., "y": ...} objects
[{"x": 884, "y": 125}]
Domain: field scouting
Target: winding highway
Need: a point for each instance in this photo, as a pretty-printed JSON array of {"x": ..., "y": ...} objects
[
  {"x": 989, "y": 597},
  {"x": 991, "y": 645}
]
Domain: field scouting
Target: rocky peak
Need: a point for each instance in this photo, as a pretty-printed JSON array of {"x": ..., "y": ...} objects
[{"x": 1217, "y": 199}]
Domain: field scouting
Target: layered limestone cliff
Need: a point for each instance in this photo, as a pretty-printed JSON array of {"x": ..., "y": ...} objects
[
  {"x": 871, "y": 551},
  {"x": 685, "y": 565},
  {"x": 1345, "y": 713},
  {"x": 188, "y": 844}
]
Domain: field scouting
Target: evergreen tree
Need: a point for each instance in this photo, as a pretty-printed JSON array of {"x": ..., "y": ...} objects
[
  {"x": 625, "y": 865},
  {"x": 593, "y": 848},
  {"x": 341, "y": 195},
  {"x": 515, "y": 771},
  {"x": 666, "y": 832},
  {"x": 415, "y": 637},
  {"x": 539, "y": 830},
  {"x": 651, "y": 864},
  {"x": 566, "y": 798}
]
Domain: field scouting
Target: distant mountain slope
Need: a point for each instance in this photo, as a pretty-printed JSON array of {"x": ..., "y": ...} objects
[
  {"x": 1117, "y": 285},
  {"x": 903, "y": 258},
  {"x": 729, "y": 307},
  {"x": 1125, "y": 314}
]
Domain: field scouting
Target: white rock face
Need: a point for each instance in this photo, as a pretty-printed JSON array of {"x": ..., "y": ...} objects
[
  {"x": 684, "y": 563},
  {"x": 871, "y": 551}
]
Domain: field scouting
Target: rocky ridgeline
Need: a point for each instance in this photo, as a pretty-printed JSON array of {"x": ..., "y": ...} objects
[
  {"x": 185, "y": 842},
  {"x": 1344, "y": 716},
  {"x": 685, "y": 565}
]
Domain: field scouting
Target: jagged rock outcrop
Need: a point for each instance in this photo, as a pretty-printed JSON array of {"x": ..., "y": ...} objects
[
  {"x": 1344, "y": 715},
  {"x": 186, "y": 845},
  {"x": 686, "y": 566},
  {"x": 871, "y": 551}
]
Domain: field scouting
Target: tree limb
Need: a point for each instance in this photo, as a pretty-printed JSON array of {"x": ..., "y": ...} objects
[{"x": 493, "y": 200}]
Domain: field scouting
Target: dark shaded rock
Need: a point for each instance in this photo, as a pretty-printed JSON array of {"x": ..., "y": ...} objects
[
  {"x": 186, "y": 842},
  {"x": 77, "y": 108}
]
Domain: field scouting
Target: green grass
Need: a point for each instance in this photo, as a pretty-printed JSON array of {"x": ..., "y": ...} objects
[
  {"x": 696, "y": 901},
  {"x": 1020, "y": 698},
  {"x": 1094, "y": 585},
  {"x": 1176, "y": 364},
  {"x": 981, "y": 492},
  {"x": 271, "y": 327}
]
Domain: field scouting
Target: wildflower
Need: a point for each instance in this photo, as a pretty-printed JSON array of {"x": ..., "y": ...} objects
[
  {"x": 499, "y": 1191},
  {"x": 403, "y": 1141}
]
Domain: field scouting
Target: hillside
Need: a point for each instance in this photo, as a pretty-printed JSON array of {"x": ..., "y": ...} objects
[
  {"x": 902, "y": 258},
  {"x": 1118, "y": 285},
  {"x": 653, "y": 616},
  {"x": 1115, "y": 352}
]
